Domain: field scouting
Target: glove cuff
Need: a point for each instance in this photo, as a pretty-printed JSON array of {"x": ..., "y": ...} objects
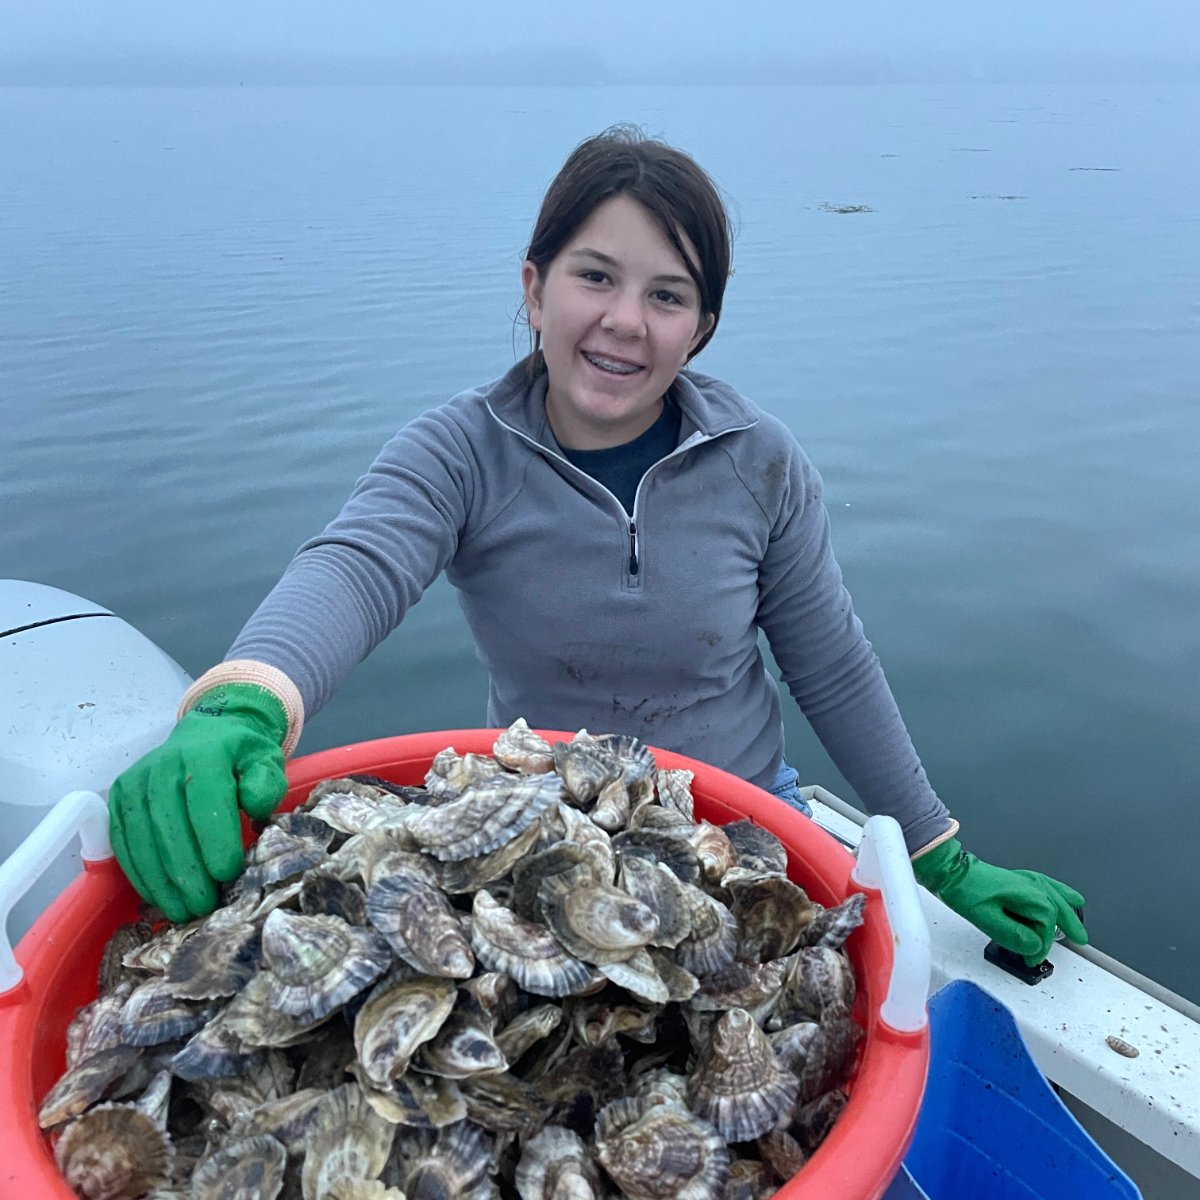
[
  {"x": 940, "y": 865},
  {"x": 271, "y": 694}
]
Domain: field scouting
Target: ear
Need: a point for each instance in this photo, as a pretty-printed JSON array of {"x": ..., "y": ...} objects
[
  {"x": 703, "y": 326},
  {"x": 531, "y": 285}
]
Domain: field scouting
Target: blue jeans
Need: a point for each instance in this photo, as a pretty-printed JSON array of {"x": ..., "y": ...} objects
[{"x": 787, "y": 788}]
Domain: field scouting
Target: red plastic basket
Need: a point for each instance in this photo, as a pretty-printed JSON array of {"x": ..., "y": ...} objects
[{"x": 60, "y": 956}]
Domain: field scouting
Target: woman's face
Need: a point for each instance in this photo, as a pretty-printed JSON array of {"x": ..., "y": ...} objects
[{"x": 618, "y": 314}]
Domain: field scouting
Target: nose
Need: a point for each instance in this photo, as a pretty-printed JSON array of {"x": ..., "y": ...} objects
[{"x": 624, "y": 317}]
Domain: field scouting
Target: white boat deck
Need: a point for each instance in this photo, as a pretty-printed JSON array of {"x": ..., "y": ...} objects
[{"x": 1067, "y": 1019}]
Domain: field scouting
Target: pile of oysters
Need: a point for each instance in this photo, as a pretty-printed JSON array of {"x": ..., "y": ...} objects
[{"x": 536, "y": 976}]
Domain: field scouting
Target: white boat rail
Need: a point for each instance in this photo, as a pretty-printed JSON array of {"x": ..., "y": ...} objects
[{"x": 1081, "y": 1022}]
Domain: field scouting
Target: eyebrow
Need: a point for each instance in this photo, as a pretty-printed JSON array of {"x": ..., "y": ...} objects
[{"x": 608, "y": 260}]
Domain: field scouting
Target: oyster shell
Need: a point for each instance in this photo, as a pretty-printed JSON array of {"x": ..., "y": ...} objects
[
  {"x": 660, "y": 1151},
  {"x": 399, "y": 1015},
  {"x": 348, "y": 1140},
  {"x": 595, "y": 921},
  {"x": 585, "y": 767},
  {"x": 520, "y": 749},
  {"x": 421, "y": 927},
  {"x": 557, "y": 1165},
  {"x": 485, "y": 817},
  {"x": 526, "y": 952},
  {"x": 738, "y": 1083},
  {"x": 113, "y": 1152},
  {"x": 316, "y": 964},
  {"x": 247, "y": 1168},
  {"x": 451, "y": 1162},
  {"x": 307, "y": 985}
]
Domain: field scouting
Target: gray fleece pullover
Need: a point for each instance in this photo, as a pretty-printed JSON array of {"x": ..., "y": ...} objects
[{"x": 587, "y": 617}]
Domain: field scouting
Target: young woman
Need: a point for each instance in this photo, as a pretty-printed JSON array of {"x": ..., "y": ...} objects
[{"x": 619, "y": 529}]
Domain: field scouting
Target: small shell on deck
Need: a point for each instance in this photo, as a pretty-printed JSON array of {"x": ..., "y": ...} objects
[
  {"x": 113, "y": 1152},
  {"x": 520, "y": 749},
  {"x": 316, "y": 964},
  {"x": 242, "y": 1167},
  {"x": 660, "y": 1151},
  {"x": 595, "y": 921},
  {"x": 526, "y": 952},
  {"x": 738, "y": 1083},
  {"x": 484, "y": 817},
  {"x": 348, "y": 1140},
  {"x": 1121, "y": 1046}
]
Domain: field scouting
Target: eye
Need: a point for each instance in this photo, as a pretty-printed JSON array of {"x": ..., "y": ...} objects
[
  {"x": 665, "y": 297},
  {"x": 593, "y": 276}
]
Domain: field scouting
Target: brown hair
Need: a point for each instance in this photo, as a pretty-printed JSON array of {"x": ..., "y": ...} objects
[{"x": 670, "y": 185}]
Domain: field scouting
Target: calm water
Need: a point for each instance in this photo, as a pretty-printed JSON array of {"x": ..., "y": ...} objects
[{"x": 215, "y": 305}]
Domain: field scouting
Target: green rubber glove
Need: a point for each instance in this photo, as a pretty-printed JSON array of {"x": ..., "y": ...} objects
[
  {"x": 1018, "y": 909},
  {"x": 174, "y": 815}
]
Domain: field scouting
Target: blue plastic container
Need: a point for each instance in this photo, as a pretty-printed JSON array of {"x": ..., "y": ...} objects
[{"x": 991, "y": 1127}]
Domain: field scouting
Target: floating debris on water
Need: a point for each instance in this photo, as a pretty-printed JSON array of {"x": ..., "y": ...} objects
[
  {"x": 846, "y": 208},
  {"x": 536, "y": 975}
]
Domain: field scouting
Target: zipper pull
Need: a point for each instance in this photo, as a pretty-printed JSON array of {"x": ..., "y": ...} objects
[{"x": 633, "y": 559}]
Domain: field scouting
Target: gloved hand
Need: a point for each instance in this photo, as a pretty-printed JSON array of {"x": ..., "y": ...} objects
[
  {"x": 1018, "y": 909},
  {"x": 173, "y": 815}
]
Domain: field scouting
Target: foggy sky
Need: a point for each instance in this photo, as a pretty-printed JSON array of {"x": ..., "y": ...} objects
[{"x": 540, "y": 41}]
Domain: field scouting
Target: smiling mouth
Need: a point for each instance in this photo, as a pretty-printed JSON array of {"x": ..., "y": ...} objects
[{"x": 612, "y": 366}]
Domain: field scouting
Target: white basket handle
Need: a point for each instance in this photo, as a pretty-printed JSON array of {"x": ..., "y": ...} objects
[
  {"x": 883, "y": 864},
  {"x": 82, "y": 813}
]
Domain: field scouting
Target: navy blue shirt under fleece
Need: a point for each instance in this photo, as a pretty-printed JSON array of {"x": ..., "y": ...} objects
[
  {"x": 586, "y": 615},
  {"x": 620, "y": 468}
]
